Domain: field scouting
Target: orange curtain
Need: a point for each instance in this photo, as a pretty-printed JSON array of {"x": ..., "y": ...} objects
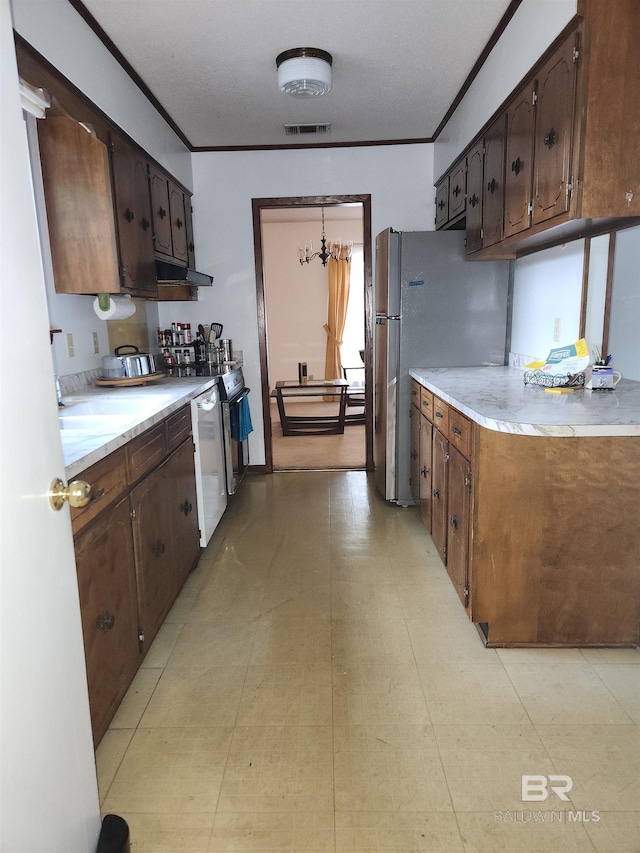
[{"x": 339, "y": 276}]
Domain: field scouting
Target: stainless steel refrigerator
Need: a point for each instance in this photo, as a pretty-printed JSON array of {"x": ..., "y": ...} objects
[{"x": 433, "y": 309}]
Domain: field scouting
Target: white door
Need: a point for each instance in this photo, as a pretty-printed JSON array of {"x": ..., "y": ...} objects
[{"x": 48, "y": 795}]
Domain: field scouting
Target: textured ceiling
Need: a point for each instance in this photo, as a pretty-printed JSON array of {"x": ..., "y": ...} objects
[{"x": 397, "y": 64}]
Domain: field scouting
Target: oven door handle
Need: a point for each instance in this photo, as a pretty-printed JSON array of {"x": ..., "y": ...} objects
[{"x": 240, "y": 396}]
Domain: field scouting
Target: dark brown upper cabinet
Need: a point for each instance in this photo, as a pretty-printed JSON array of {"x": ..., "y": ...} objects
[
  {"x": 519, "y": 162},
  {"x": 493, "y": 183},
  {"x": 458, "y": 189},
  {"x": 475, "y": 181},
  {"x": 133, "y": 217},
  {"x": 442, "y": 202},
  {"x": 555, "y": 103},
  {"x": 178, "y": 222},
  {"x": 161, "y": 217}
]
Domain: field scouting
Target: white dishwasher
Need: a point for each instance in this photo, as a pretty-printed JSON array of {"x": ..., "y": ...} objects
[{"x": 211, "y": 486}]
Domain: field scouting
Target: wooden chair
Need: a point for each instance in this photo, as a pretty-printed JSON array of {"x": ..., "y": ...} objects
[{"x": 355, "y": 394}]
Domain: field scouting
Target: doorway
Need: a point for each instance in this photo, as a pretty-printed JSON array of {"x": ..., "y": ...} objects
[{"x": 268, "y": 379}]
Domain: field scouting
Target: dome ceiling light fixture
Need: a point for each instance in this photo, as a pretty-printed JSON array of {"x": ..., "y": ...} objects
[{"x": 304, "y": 72}]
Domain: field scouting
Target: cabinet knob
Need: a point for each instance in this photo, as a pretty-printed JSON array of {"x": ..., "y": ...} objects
[
  {"x": 423, "y": 471},
  {"x": 128, "y": 215},
  {"x": 179, "y": 223},
  {"x": 158, "y": 548},
  {"x": 106, "y": 621},
  {"x": 436, "y": 493},
  {"x": 162, "y": 212},
  {"x": 186, "y": 507},
  {"x": 516, "y": 166},
  {"x": 550, "y": 139},
  {"x": 438, "y": 414},
  {"x": 456, "y": 191},
  {"x": 492, "y": 185},
  {"x": 454, "y": 521},
  {"x": 456, "y": 431},
  {"x": 474, "y": 200},
  {"x": 441, "y": 204},
  {"x": 192, "y": 248},
  {"x": 145, "y": 224}
]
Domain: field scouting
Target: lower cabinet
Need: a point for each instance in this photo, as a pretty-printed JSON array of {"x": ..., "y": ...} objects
[
  {"x": 108, "y": 603},
  {"x": 519, "y": 525},
  {"x": 133, "y": 557}
]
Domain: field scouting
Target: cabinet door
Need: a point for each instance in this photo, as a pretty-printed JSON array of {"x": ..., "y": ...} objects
[
  {"x": 178, "y": 222},
  {"x": 493, "y": 186},
  {"x": 153, "y": 544},
  {"x": 474, "y": 197},
  {"x": 188, "y": 218},
  {"x": 519, "y": 165},
  {"x": 442, "y": 202},
  {"x": 181, "y": 491},
  {"x": 556, "y": 87},
  {"x": 439, "y": 494},
  {"x": 458, "y": 189},
  {"x": 133, "y": 218},
  {"x": 426, "y": 466},
  {"x": 415, "y": 453},
  {"x": 458, "y": 513},
  {"x": 161, "y": 218},
  {"x": 108, "y": 603}
]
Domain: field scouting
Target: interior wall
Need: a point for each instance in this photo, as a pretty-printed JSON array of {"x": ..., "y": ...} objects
[
  {"x": 398, "y": 178},
  {"x": 547, "y": 289},
  {"x": 624, "y": 337},
  {"x": 296, "y": 296},
  {"x": 534, "y": 26}
]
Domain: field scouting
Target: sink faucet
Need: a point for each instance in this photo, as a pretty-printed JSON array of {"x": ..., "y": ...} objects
[{"x": 59, "y": 393}]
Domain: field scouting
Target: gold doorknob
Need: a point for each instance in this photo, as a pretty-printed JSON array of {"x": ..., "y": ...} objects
[{"x": 78, "y": 493}]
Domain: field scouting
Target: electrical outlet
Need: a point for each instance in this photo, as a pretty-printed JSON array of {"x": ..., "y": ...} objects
[
  {"x": 70, "y": 350},
  {"x": 96, "y": 344},
  {"x": 557, "y": 329}
]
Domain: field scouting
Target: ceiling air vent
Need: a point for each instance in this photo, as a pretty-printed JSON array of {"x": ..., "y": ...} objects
[{"x": 300, "y": 129}]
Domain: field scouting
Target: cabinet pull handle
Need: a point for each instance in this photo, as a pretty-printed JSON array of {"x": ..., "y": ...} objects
[
  {"x": 441, "y": 204},
  {"x": 186, "y": 507},
  {"x": 454, "y": 521},
  {"x": 145, "y": 224},
  {"x": 550, "y": 139},
  {"x": 158, "y": 547},
  {"x": 456, "y": 431},
  {"x": 179, "y": 223},
  {"x": 423, "y": 471},
  {"x": 96, "y": 494},
  {"x": 474, "y": 200},
  {"x": 436, "y": 493},
  {"x": 492, "y": 186},
  {"x": 106, "y": 621},
  {"x": 128, "y": 215},
  {"x": 456, "y": 191},
  {"x": 438, "y": 414},
  {"x": 162, "y": 212},
  {"x": 516, "y": 166}
]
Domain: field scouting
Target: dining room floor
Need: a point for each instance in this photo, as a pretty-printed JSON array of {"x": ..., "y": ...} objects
[{"x": 317, "y": 686}]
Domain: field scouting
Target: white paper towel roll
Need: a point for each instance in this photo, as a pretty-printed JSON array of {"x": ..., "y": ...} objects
[{"x": 120, "y": 307}]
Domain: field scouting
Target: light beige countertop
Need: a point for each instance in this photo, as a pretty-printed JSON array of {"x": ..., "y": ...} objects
[
  {"x": 97, "y": 420},
  {"x": 498, "y": 399}
]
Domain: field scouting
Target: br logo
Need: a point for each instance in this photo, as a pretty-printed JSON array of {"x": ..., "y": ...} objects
[{"x": 536, "y": 788}]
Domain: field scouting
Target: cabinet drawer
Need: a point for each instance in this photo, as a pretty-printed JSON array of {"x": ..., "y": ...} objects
[
  {"x": 460, "y": 432},
  {"x": 441, "y": 415},
  {"x": 146, "y": 452},
  {"x": 178, "y": 427},
  {"x": 108, "y": 480},
  {"x": 415, "y": 393},
  {"x": 426, "y": 403}
]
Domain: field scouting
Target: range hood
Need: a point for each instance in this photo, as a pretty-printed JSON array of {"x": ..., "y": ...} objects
[{"x": 169, "y": 274}]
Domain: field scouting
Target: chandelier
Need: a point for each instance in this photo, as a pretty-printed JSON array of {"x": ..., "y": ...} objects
[{"x": 335, "y": 249}]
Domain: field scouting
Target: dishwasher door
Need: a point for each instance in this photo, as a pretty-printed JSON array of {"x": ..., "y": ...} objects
[{"x": 211, "y": 487}]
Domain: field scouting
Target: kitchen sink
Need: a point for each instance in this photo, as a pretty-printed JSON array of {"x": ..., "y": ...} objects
[{"x": 98, "y": 423}]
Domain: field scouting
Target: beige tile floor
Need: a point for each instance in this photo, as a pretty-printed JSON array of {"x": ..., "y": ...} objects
[{"x": 318, "y": 687}]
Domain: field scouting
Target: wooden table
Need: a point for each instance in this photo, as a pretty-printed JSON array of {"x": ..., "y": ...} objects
[{"x": 309, "y": 424}]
